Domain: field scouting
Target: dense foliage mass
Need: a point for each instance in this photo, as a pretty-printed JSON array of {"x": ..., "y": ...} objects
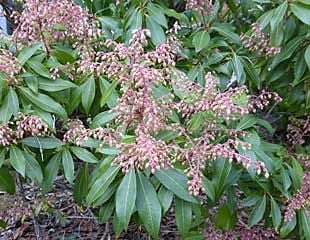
[{"x": 147, "y": 107}]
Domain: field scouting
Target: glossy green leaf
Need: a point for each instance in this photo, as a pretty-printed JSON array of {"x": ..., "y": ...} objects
[
  {"x": 157, "y": 33},
  {"x": 224, "y": 218},
  {"x": 307, "y": 56},
  {"x": 51, "y": 171},
  {"x": 106, "y": 211},
  {"x": 7, "y": 182},
  {"x": 88, "y": 94},
  {"x": 301, "y": 11},
  {"x": 84, "y": 155},
  {"x": 288, "y": 227},
  {"x": 33, "y": 168},
  {"x": 107, "y": 93},
  {"x": 80, "y": 189},
  {"x": 165, "y": 197},
  {"x": 208, "y": 188},
  {"x": 17, "y": 160},
  {"x": 183, "y": 215},
  {"x": 176, "y": 182},
  {"x": 258, "y": 212},
  {"x": 148, "y": 205},
  {"x": 55, "y": 85},
  {"x": 42, "y": 142},
  {"x": 101, "y": 184},
  {"x": 68, "y": 165},
  {"x": 275, "y": 213},
  {"x": 39, "y": 68},
  {"x": 13, "y": 102},
  {"x": 201, "y": 40},
  {"x": 44, "y": 102},
  {"x": 247, "y": 122},
  {"x": 125, "y": 198},
  {"x": 103, "y": 118},
  {"x": 5, "y": 110},
  {"x": 27, "y": 52},
  {"x": 305, "y": 223}
]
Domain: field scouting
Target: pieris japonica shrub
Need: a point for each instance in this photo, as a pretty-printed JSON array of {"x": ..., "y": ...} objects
[{"x": 143, "y": 122}]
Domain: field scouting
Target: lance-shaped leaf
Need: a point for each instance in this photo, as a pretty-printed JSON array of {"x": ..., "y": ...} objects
[
  {"x": 125, "y": 198},
  {"x": 148, "y": 205}
]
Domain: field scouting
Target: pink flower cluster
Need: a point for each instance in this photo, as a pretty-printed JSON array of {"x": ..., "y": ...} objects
[
  {"x": 300, "y": 199},
  {"x": 145, "y": 152},
  {"x": 10, "y": 67},
  {"x": 52, "y": 20},
  {"x": 78, "y": 134},
  {"x": 26, "y": 125},
  {"x": 201, "y": 6},
  {"x": 31, "y": 126},
  {"x": 259, "y": 42},
  {"x": 262, "y": 100},
  {"x": 202, "y": 151},
  {"x": 208, "y": 98},
  {"x": 7, "y": 136},
  {"x": 298, "y": 130}
]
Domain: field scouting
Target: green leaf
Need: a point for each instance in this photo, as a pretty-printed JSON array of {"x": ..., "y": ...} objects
[
  {"x": 305, "y": 223},
  {"x": 108, "y": 93},
  {"x": 258, "y": 212},
  {"x": 39, "y": 68},
  {"x": 196, "y": 121},
  {"x": 5, "y": 110},
  {"x": 278, "y": 15},
  {"x": 183, "y": 215},
  {"x": 7, "y": 182},
  {"x": 105, "y": 85},
  {"x": 42, "y": 142},
  {"x": 201, "y": 40},
  {"x": 13, "y": 102},
  {"x": 84, "y": 155},
  {"x": 44, "y": 102},
  {"x": 17, "y": 160},
  {"x": 176, "y": 182},
  {"x": 2, "y": 156},
  {"x": 33, "y": 168},
  {"x": 108, "y": 193},
  {"x": 51, "y": 171},
  {"x": 227, "y": 33},
  {"x": 68, "y": 165},
  {"x": 224, "y": 219},
  {"x": 125, "y": 198},
  {"x": 88, "y": 93},
  {"x": 288, "y": 227},
  {"x": 307, "y": 56},
  {"x": 249, "y": 69},
  {"x": 208, "y": 188},
  {"x": 275, "y": 213},
  {"x": 148, "y": 205},
  {"x": 103, "y": 118},
  {"x": 247, "y": 122},
  {"x": 55, "y": 85},
  {"x": 106, "y": 211},
  {"x": 101, "y": 184},
  {"x": 27, "y": 52},
  {"x": 301, "y": 11},
  {"x": 157, "y": 14},
  {"x": 157, "y": 33},
  {"x": 238, "y": 69},
  {"x": 80, "y": 189},
  {"x": 286, "y": 53},
  {"x": 266, "y": 125},
  {"x": 222, "y": 170},
  {"x": 165, "y": 197}
]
